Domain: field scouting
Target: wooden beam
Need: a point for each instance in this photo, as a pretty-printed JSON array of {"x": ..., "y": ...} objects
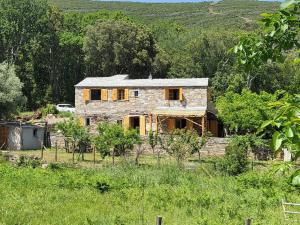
[
  {"x": 203, "y": 125},
  {"x": 150, "y": 121},
  {"x": 193, "y": 122}
]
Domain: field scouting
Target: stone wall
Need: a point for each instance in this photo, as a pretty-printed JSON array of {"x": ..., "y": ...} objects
[{"x": 148, "y": 99}]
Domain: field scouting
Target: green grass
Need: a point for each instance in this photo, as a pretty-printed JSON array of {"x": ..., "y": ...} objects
[
  {"x": 127, "y": 194},
  {"x": 233, "y": 14}
]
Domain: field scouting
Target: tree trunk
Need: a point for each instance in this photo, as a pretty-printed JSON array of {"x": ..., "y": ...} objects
[
  {"x": 113, "y": 156},
  {"x": 199, "y": 156}
]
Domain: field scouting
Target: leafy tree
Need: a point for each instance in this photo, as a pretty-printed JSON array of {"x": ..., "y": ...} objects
[
  {"x": 114, "y": 47},
  {"x": 243, "y": 113},
  {"x": 10, "y": 91},
  {"x": 113, "y": 139},
  {"x": 28, "y": 31},
  {"x": 285, "y": 124},
  {"x": 75, "y": 133},
  {"x": 179, "y": 144}
]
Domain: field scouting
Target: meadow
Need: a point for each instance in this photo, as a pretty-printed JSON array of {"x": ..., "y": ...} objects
[{"x": 130, "y": 194}]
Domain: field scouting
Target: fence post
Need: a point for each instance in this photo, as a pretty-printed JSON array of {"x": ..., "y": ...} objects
[
  {"x": 42, "y": 153},
  {"x": 248, "y": 221},
  {"x": 158, "y": 220},
  {"x": 94, "y": 152},
  {"x": 56, "y": 151}
]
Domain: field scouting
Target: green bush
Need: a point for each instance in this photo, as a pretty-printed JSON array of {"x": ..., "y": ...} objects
[
  {"x": 49, "y": 109},
  {"x": 236, "y": 156}
]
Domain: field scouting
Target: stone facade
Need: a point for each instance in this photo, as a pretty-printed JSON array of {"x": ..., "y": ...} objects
[{"x": 148, "y": 99}]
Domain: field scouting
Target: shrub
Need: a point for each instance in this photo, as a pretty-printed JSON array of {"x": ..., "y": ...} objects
[
  {"x": 49, "y": 109},
  {"x": 236, "y": 156},
  {"x": 29, "y": 161}
]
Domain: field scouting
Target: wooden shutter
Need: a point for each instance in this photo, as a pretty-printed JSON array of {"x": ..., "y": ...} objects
[
  {"x": 167, "y": 94},
  {"x": 171, "y": 124},
  {"x": 126, "y": 94},
  {"x": 115, "y": 94},
  {"x": 142, "y": 125},
  {"x": 126, "y": 122},
  {"x": 104, "y": 94},
  {"x": 86, "y": 94},
  {"x": 181, "y": 94},
  {"x": 81, "y": 121},
  {"x": 189, "y": 125}
]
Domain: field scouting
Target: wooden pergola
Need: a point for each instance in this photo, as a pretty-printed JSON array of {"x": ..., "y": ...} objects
[{"x": 159, "y": 116}]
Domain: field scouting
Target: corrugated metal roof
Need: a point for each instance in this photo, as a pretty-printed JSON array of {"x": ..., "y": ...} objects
[{"x": 123, "y": 81}]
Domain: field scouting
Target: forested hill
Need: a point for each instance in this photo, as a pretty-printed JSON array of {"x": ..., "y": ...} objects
[{"x": 241, "y": 14}]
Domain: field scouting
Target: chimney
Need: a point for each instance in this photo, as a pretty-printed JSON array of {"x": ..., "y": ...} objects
[{"x": 150, "y": 76}]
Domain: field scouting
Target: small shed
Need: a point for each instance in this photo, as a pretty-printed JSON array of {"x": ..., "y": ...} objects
[{"x": 20, "y": 136}]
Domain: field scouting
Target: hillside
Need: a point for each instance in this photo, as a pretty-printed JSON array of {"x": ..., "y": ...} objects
[{"x": 241, "y": 14}]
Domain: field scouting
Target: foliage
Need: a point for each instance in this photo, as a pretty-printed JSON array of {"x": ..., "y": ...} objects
[
  {"x": 243, "y": 113},
  {"x": 286, "y": 124},
  {"x": 181, "y": 143},
  {"x": 74, "y": 131},
  {"x": 153, "y": 139},
  {"x": 113, "y": 139},
  {"x": 10, "y": 91},
  {"x": 236, "y": 156},
  {"x": 49, "y": 109},
  {"x": 128, "y": 48}
]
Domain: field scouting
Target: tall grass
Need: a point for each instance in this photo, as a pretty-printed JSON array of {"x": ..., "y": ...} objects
[{"x": 127, "y": 194}]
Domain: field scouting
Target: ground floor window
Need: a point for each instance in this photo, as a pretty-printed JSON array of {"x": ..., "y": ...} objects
[
  {"x": 135, "y": 122},
  {"x": 180, "y": 123},
  {"x": 87, "y": 121}
]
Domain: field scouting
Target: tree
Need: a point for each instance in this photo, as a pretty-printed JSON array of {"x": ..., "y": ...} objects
[
  {"x": 28, "y": 31},
  {"x": 114, "y": 140},
  {"x": 243, "y": 113},
  {"x": 178, "y": 144},
  {"x": 114, "y": 47},
  {"x": 10, "y": 91},
  {"x": 285, "y": 124},
  {"x": 75, "y": 133}
]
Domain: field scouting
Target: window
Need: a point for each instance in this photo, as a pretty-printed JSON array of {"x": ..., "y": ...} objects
[
  {"x": 95, "y": 94},
  {"x": 121, "y": 94},
  {"x": 119, "y": 122},
  {"x": 87, "y": 121},
  {"x": 180, "y": 123},
  {"x": 136, "y": 94},
  {"x": 35, "y": 132},
  {"x": 173, "y": 94}
]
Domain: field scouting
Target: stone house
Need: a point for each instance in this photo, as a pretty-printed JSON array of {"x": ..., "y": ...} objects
[{"x": 146, "y": 104}]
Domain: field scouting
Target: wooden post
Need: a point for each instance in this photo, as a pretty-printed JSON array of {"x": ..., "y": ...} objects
[
  {"x": 248, "y": 221},
  {"x": 42, "y": 153},
  {"x": 156, "y": 123},
  {"x": 150, "y": 121},
  {"x": 56, "y": 148},
  {"x": 203, "y": 124},
  {"x": 158, "y": 220},
  {"x": 94, "y": 152}
]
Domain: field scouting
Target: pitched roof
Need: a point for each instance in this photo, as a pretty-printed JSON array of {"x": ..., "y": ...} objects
[{"x": 121, "y": 80}]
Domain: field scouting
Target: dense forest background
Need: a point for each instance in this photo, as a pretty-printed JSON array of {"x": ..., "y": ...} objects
[{"x": 53, "y": 45}]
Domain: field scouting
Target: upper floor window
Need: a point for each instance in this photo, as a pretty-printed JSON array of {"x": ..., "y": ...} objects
[
  {"x": 95, "y": 94},
  {"x": 121, "y": 94},
  {"x": 174, "y": 94},
  {"x": 136, "y": 94}
]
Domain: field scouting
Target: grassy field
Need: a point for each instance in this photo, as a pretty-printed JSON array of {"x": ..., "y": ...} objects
[
  {"x": 129, "y": 194},
  {"x": 228, "y": 14}
]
